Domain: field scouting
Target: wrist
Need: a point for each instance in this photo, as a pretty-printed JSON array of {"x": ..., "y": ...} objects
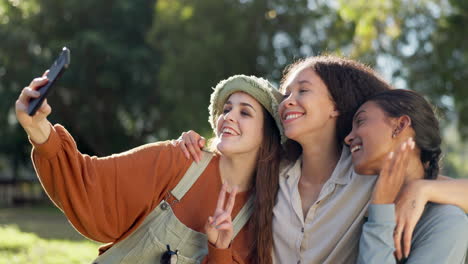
[
  {"x": 40, "y": 132},
  {"x": 424, "y": 189}
]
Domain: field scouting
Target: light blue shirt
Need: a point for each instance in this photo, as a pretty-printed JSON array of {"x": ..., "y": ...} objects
[{"x": 440, "y": 236}]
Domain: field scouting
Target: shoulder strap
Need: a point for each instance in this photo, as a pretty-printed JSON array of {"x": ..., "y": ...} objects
[
  {"x": 243, "y": 216},
  {"x": 191, "y": 175}
]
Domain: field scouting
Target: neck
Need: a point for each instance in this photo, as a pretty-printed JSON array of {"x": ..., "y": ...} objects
[
  {"x": 238, "y": 170},
  {"x": 415, "y": 168},
  {"x": 319, "y": 158}
]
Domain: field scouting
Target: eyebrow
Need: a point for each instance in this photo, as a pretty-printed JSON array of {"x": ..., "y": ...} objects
[
  {"x": 358, "y": 113},
  {"x": 243, "y": 104},
  {"x": 288, "y": 88},
  {"x": 304, "y": 82}
]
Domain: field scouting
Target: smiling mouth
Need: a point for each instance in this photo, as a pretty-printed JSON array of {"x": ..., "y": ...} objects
[
  {"x": 355, "y": 148},
  {"x": 292, "y": 116},
  {"x": 227, "y": 131}
]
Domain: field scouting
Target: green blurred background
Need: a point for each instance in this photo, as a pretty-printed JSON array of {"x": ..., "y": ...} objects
[{"x": 142, "y": 70}]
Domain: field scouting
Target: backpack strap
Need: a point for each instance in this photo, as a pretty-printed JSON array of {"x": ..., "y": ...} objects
[{"x": 192, "y": 174}]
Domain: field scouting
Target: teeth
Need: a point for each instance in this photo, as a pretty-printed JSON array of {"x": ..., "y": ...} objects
[
  {"x": 229, "y": 131},
  {"x": 356, "y": 148},
  {"x": 292, "y": 116}
]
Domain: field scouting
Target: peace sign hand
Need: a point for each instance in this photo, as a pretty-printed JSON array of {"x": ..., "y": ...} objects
[{"x": 219, "y": 228}]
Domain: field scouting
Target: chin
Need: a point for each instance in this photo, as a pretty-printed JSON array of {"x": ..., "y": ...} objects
[
  {"x": 364, "y": 170},
  {"x": 292, "y": 134}
]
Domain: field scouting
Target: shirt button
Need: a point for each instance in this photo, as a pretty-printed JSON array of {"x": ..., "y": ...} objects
[
  {"x": 298, "y": 262},
  {"x": 164, "y": 206},
  {"x": 302, "y": 230}
]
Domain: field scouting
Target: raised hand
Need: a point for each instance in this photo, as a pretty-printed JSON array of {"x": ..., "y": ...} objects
[
  {"x": 219, "y": 228},
  {"x": 392, "y": 175},
  {"x": 36, "y": 126},
  {"x": 389, "y": 185},
  {"x": 191, "y": 143}
]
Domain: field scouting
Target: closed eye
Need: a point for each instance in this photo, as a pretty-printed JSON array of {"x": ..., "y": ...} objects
[{"x": 245, "y": 113}]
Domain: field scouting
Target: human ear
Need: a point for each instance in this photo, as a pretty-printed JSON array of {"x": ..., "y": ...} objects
[
  {"x": 335, "y": 113},
  {"x": 401, "y": 124}
]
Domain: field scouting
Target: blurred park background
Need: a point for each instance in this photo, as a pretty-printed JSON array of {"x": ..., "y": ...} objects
[{"x": 142, "y": 70}]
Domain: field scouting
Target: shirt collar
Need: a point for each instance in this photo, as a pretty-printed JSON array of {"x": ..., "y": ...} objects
[{"x": 342, "y": 173}]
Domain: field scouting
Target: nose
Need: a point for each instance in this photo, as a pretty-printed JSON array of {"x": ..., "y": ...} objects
[
  {"x": 229, "y": 116},
  {"x": 349, "y": 138},
  {"x": 289, "y": 101}
]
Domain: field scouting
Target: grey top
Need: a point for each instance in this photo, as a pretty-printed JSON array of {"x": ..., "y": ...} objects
[{"x": 440, "y": 236}]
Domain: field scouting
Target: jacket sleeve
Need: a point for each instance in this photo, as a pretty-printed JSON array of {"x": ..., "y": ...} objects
[
  {"x": 106, "y": 197},
  {"x": 376, "y": 244},
  {"x": 223, "y": 256},
  {"x": 238, "y": 252},
  {"x": 441, "y": 236}
]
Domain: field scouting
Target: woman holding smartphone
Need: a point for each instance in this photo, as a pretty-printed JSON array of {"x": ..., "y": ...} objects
[{"x": 153, "y": 205}]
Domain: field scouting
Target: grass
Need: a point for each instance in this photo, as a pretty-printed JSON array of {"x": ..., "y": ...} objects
[{"x": 41, "y": 235}]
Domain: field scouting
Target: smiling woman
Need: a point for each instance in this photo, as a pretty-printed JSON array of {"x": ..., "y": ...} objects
[
  {"x": 321, "y": 200},
  {"x": 151, "y": 204},
  {"x": 402, "y": 123}
]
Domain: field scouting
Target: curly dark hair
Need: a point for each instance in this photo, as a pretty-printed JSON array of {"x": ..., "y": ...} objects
[{"x": 350, "y": 84}]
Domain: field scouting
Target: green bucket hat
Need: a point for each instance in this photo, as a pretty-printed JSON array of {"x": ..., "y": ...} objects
[{"x": 259, "y": 88}]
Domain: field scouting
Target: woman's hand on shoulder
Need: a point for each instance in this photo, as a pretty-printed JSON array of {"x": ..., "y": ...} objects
[
  {"x": 219, "y": 228},
  {"x": 409, "y": 208},
  {"x": 191, "y": 144}
]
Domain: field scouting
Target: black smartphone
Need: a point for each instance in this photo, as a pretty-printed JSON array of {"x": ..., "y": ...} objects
[{"x": 55, "y": 71}]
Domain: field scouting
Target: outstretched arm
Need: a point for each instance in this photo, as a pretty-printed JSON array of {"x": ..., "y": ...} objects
[{"x": 103, "y": 198}]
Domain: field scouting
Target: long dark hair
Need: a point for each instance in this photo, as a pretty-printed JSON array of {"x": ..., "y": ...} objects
[
  {"x": 265, "y": 188},
  {"x": 349, "y": 83},
  {"x": 397, "y": 103}
]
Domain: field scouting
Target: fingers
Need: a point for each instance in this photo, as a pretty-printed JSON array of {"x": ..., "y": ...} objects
[
  {"x": 221, "y": 198},
  {"x": 191, "y": 146},
  {"x": 397, "y": 239},
  {"x": 45, "y": 73},
  {"x": 386, "y": 165},
  {"x": 184, "y": 149},
  {"x": 202, "y": 142},
  {"x": 194, "y": 147},
  {"x": 45, "y": 108},
  {"x": 26, "y": 94},
  {"x": 220, "y": 219},
  {"x": 225, "y": 227},
  {"x": 232, "y": 200},
  {"x": 38, "y": 82},
  {"x": 407, "y": 234}
]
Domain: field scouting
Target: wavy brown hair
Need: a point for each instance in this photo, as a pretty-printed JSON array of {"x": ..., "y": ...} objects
[
  {"x": 265, "y": 187},
  {"x": 350, "y": 84}
]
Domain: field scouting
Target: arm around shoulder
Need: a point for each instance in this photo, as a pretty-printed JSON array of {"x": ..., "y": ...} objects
[{"x": 440, "y": 237}]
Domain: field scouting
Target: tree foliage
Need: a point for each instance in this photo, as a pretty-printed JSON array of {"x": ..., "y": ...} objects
[{"x": 143, "y": 70}]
